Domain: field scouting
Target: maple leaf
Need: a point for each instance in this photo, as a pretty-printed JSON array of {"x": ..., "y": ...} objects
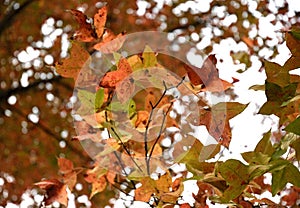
[
  {"x": 71, "y": 66},
  {"x": 55, "y": 191}
]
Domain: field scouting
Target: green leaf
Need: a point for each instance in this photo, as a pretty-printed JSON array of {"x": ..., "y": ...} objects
[
  {"x": 280, "y": 94},
  {"x": 87, "y": 100},
  {"x": 289, "y": 173},
  {"x": 264, "y": 146},
  {"x": 294, "y": 127},
  {"x": 234, "y": 172},
  {"x": 198, "y": 153},
  {"x": 296, "y": 146},
  {"x": 149, "y": 57},
  {"x": 232, "y": 192},
  {"x": 231, "y": 109},
  {"x": 99, "y": 98}
]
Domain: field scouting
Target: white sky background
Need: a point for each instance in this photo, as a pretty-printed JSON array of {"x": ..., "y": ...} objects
[{"x": 248, "y": 128}]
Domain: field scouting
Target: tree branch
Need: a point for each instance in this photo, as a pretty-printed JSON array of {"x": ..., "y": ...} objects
[{"x": 11, "y": 14}]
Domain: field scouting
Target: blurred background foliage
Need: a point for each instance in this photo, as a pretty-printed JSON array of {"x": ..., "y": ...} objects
[{"x": 35, "y": 121}]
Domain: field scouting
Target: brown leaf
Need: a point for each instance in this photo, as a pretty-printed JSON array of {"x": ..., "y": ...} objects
[
  {"x": 110, "y": 42},
  {"x": 100, "y": 20},
  {"x": 202, "y": 75},
  {"x": 85, "y": 32},
  {"x": 208, "y": 76},
  {"x": 71, "y": 66},
  {"x": 55, "y": 191}
]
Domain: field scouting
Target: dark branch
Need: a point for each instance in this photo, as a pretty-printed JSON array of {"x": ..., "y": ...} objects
[{"x": 11, "y": 14}]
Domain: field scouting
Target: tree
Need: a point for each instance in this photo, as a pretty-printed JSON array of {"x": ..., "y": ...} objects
[{"x": 127, "y": 112}]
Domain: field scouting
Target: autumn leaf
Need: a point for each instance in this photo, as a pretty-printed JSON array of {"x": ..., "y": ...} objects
[
  {"x": 125, "y": 89},
  {"x": 148, "y": 57},
  {"x": 65, "y": 165},
  {"x": 110, "y": 42},
  {"x": 100, "y": 20},
  {"x": 111, "y": 79},
  {"x": 216, "y": 119},
  {"x": 85, "y": 32},
  {"x": 145, "y": 192},
  {"x": 207, "y": 76},
  {"x": 98, "y": 186},
  {"x": 66, "y": 169},
  {"x": 236, "y": 175},
  {"x": 55, "y": 191},
  {"x": 71, "y": 66}
]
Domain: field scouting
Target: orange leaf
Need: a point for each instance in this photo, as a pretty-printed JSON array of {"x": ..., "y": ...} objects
[
  {"x": 70, "y": 67},
  {"x": 85, "y": 33},
  {"x": 98, "y": 186},
  {"x": 142, "y": 119},
  {"x": 100, "y": 20},
  {"x": 65, "y": 165},
  {"x": 55, "y": 191},
  {"x": 145, "y": 192},
  {"x": 110, "y": 42},
  {"x": 111, "y": 79}
]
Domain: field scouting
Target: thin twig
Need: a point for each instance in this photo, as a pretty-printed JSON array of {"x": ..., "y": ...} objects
[{"x": 125, "y": 148}]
